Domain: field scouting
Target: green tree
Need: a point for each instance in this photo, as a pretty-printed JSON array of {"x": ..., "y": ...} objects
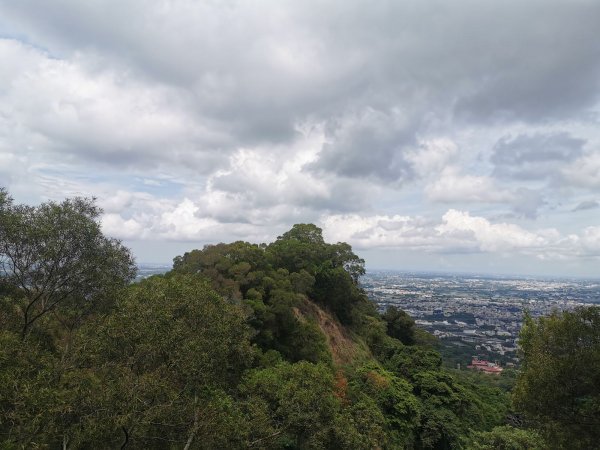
[
  {"x": 559, "y": 383},
  {"x": 394, "y": 397},
  {"x": 30, "y": 396},
  {"x": 409, "y": 361},
  {"x": 335, "y": 289},
  {"x": 233, "y": 269},
  {"x": 56, "y": 255},
  {"x": 507, "y": 438},
  {"x": 169, "y": 357},
  {"x": 293, "y": 405},
  {"x": 400, "y": 325},
  {"x": 360, "y": 425},
  {"x": 341, "y": 255},
  {"x": 302, "y": 247}
]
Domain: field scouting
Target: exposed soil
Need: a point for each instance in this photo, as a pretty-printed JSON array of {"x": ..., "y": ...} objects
[{"x": 343, "y": 348}]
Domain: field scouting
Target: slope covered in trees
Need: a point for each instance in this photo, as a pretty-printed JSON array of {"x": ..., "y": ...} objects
[{"x": 239, "y": 346}]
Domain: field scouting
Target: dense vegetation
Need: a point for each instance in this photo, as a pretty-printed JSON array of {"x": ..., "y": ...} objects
[
  {"x": 239, "y": 346},
  {"x": 559, "y": 386}
]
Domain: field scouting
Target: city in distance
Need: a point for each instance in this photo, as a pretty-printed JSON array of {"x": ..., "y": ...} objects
[{"x": 473, "y": 314}]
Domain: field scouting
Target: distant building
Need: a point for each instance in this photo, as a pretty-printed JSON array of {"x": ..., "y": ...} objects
[{"x": 484, "y": 366}]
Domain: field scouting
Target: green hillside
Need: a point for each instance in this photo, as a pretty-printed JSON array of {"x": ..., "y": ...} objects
[{"x": 240, "y": 345}]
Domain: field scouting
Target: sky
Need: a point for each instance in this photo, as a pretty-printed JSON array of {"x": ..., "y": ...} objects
[{"x": 430, "y": 135}]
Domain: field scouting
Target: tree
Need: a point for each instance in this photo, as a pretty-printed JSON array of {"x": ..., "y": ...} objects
[
  {"x": 559, "y": 383},
  {"x": 341, "y": 254},
  {"x": 394, "y": 397},
  {"x": 449, "y": 410},
  {"x": 302, "y": 247},
  {"x": 335, "y": 289},
  {"x": 57, "y": 257},
  {"x": 167, "y": 358},
  {"x": 400, "y": 325},
  {"x": 298, "y": 402},
  {"x": 507, "y": 438}
]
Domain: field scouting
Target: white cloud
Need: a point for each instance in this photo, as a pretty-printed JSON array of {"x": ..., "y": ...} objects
[
  {"x": 454, "y": 186},
  {"x": 115, "y": 225},
  {"x": 590, "y": 240},
  {"x": 432, "y": 156},
  {"x": 459, "y": 231},
  {"x": 226, "y": 120},
  {"x": 59, "y": 107},
  {"x": 585, "y": 171},
  {"x": 486, "y": 236},
  {"x": 380, "y": 231}
]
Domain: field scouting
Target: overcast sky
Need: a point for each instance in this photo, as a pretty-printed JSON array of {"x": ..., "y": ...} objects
[{"x": 430, "y": 135}]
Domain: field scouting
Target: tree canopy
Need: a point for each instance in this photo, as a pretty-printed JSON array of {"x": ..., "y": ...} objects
[
  {"x": 559, "y": 383},
  {"x": 240, "y": 345},
  {"x": 57, "y": 257}
]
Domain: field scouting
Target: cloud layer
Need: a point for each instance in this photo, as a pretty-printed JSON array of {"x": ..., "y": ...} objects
[{"x": 450, "y": 128}]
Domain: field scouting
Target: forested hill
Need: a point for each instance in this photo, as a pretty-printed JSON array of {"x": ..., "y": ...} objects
[
  {"x": 379, "y": 378},
  {"x": 240, "y": 345}
]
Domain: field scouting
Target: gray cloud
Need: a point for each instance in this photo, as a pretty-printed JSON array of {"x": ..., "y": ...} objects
[
  {"x": 527, "y": 202},
  {"x": 372, "y": 145},
  {"x": 585, "y": 205},
  {"x": 261, "y": 67},
  {"x": 534, "y": 157},
  {"x": 272, "y": 112}
]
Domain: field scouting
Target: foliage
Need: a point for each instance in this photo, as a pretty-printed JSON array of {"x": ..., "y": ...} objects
[
  {"x": 299, "y": 401},
  {"x": 360, "y": 425},
  {"x": 559, "y": 383},
  {"x": 58, "y": 258},
  {"x": 155, "y": 370},
  {"x": 400, "y": 325},
  {"x": 411, "y": 360},
  {"x": 231, "y": 349},
  {"x": 30, "y": 397},
  {"x": 507, "y": 438},
  {"x": 273, "y": 280},
  {"x": 335, "y": 289},
  {"x": 394, "y": 397}
]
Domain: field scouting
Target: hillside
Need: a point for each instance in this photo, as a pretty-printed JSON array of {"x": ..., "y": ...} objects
[
  {"x": 345, "y": 346},
  {"x": 241, "y": 345}
]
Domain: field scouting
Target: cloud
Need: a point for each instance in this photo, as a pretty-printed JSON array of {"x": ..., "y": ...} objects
[
  {"x": 527, "y": 202},
  {"x": 535, "y": 157},
  {"x": 486, "y": 236},
  {"x": 460, "y": 232},
  {"x": 381, "y": 231},
  {"x": 585, "y": 171},
  {"x": 534, "y": 72},
  {"x": 590, "y": 241},
  {"x": 217, "y": 120},
  {"x": 587, "y": 204},
  {"x": 370, "y": 144},
  {"x": 432, "y": 156},
  {"x": 452, "y": 186},
  {"x": 108, "y": 117},
  {"x": 115, "y": 225},
  {"x": 257, "y": 69},
  {"x": 184, "y": 221}
]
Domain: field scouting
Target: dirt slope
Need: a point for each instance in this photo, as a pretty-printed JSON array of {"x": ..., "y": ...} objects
[{"x": 343, "y": 345}]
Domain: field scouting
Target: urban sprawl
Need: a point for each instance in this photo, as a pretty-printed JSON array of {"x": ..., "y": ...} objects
[{"x": 477, "y": 315}]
